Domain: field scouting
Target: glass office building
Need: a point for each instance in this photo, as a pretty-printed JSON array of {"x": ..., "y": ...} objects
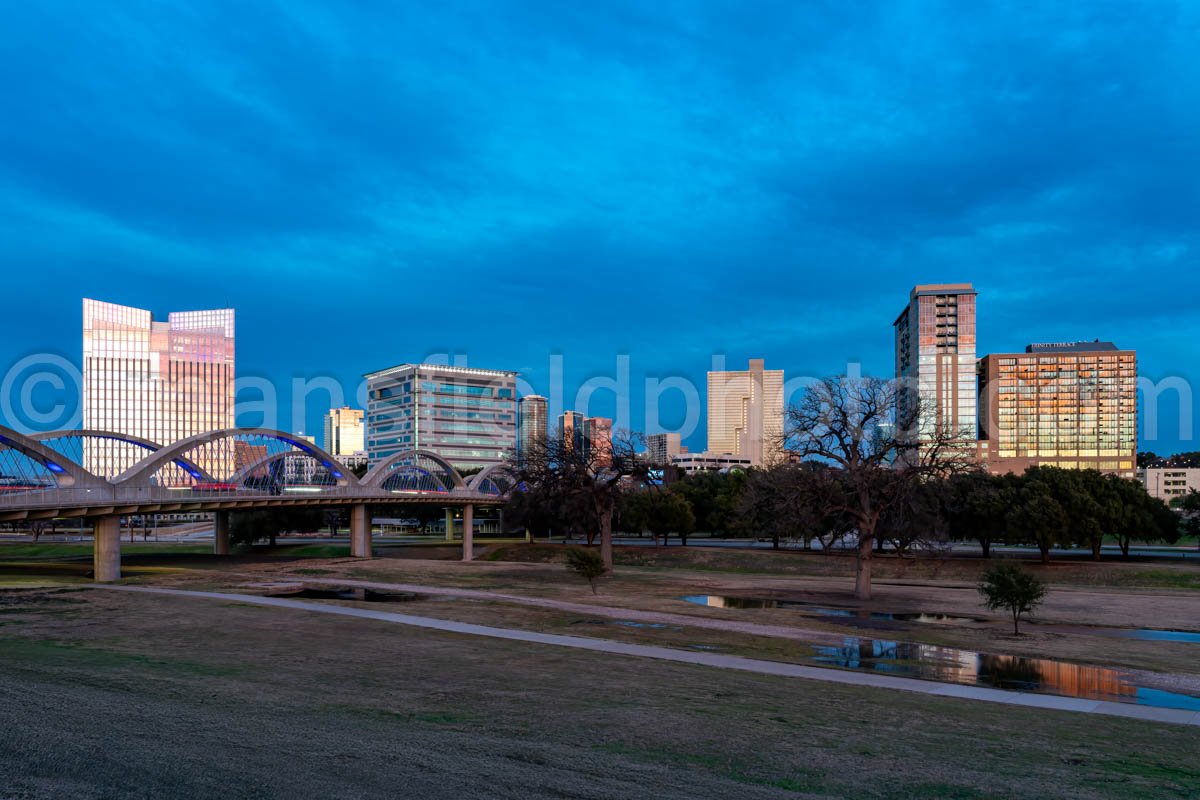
[
  {"x": 532, "y": 423},
  {"x": 159, "y": 381},
  {"x": 344, "y": 431},
  {"x": 1070, "y": 405},
  {"x": 467, "y": 416}
]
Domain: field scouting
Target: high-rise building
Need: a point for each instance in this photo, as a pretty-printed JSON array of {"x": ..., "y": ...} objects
[
  {"x": 935, "y": 361},
  {"x": 532, "y": 423},
  {"x": 344, "y": 431},
  {"x": 1071, "y": 405},
  {"x": 160, "y": 381},
  {"x": 662, "y": 447},
  {"x": 745, "y": 413},
  {"x": 468, "y": 416},
  {"x": 570, "y": 430},
  {"x": 597, "y": 441}
]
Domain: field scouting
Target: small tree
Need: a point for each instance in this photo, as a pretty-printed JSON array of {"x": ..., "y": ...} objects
[
  {"x": 1009, "y": 586},
  {"x": 587, "y": 564}
]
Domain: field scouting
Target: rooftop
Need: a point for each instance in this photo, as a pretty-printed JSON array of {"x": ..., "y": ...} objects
[{"x": 443, "y": 368}]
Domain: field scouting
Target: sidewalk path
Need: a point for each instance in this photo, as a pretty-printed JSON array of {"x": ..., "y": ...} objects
[{"x": 1148, "y": 713}]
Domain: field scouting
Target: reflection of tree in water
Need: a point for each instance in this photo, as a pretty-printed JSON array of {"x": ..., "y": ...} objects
[{"x": 1008, "y": 672}]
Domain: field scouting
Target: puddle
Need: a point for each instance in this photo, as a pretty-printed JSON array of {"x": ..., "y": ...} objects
[
  {"x": 1151, "y": 635},
  {"x": 1041, "y": 675},
  {"x": 719, "y": 601},
  {"x": 345, "y": 593}
]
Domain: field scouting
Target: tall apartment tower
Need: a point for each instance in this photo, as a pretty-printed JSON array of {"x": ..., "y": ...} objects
[
  {"x": 160, "y": 381},
  {"x": 745, "y": 413},
  {"x": 345, "y": 432},
  {"x": 532, "y": 423},
  {"x": 1070, "y": 405},
  {"x": 467, "y": 416},
  {"x": 935, "y": 360}
]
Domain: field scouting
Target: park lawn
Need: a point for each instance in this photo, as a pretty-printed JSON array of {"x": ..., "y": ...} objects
[
  {"x": 113, "y": 695},
  {"x": 1146, "y": 574}
]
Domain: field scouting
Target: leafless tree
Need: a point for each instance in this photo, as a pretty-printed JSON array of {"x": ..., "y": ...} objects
[
  {"x": 561, "y": 475},
  {"x": 880, "y": 452}
]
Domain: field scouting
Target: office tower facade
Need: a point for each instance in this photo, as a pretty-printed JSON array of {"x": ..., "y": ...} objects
[
  {"x": 1071, "y": 405},
  {"x": 597, "y": 441},
  {"x": 345, "y": 431},
  {"x": 570, "y": 430},
  {"x": 467, "y": 416},
  {"x": 160, "y": 381},
  {"x": 745, "y": 413},
  {"x": 935, "y": 362},
  {"x": 662, "y": 447},
  {"x": 532, "y": 423}
]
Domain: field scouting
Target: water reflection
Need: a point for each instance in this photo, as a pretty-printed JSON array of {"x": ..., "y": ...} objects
[
  {"x": 721, "y": 601},
  {"x": 930, "y": 662}
]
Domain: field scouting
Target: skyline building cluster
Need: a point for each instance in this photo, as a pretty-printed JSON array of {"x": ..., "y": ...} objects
[{"x": 1070, "y": 404}]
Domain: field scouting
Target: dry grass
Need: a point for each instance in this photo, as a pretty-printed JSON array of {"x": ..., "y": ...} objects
[{"x": 110, "y": 695}]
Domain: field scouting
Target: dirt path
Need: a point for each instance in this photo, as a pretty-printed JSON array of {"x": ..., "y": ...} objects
[{"x": 1167, "y": 715}]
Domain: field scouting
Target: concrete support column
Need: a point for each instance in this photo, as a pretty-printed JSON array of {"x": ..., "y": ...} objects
[
  {"x": 468, "y": 532},
  {"x": 106, "y": 549},
  {"x": 528, "y": 535},
  {"x": 449, "y": 524},
  {"x": 221, "y": 533},
  {"x": 360, "y": 532}
]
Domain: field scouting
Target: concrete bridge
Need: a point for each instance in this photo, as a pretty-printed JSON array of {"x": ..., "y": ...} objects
[{"x": 103, "y": 476}]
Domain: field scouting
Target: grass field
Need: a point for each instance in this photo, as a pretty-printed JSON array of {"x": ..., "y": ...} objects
[{"x": 112, "y": 695}]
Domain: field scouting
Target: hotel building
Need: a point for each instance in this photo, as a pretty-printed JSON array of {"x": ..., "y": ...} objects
[
  {"x": 532, "y": 423},
  {"x": 159, "y": 381},
  {"x": 345, "y": 432},
  {"x": 935, "y": 360},
  {"x": 1071, "y": 405},
  {"x": 468, "y": 416},
  {"x": 745, "y": 413}
]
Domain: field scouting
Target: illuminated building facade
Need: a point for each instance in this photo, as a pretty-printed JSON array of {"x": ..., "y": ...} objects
[
  {"x": 662, "y": 447},
  {"x": 597, "y": 441},
  {"x": 570, "y": 430},
  {"x": 467, "y": 416},
  {"x": 745, "y": 413},
  {"x": 345, "y": 432},
  {"x": 159, "y": 381},
  {"x": 1070, "y": 405},
  {"x": 935, "y": 361},
  {"x": 532, "y": 423}
]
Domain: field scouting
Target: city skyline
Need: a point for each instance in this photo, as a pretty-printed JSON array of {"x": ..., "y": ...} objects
[{"x": 819, "y": 182}]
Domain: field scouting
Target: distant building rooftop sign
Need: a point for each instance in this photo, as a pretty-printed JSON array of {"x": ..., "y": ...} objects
[{"x": 1096, "y": 346}]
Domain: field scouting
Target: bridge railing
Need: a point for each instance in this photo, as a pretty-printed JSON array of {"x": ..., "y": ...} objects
[{"x": 79, "y": 497}]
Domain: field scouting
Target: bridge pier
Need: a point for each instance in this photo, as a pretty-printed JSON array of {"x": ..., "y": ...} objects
[
  {"x": 360, "y": 532},
  {"x": 449, "y": 524},
  {"x": 221, "y": 533},
  {"x": 468, "y": 532},
  {"x": 106, "y": 548}
]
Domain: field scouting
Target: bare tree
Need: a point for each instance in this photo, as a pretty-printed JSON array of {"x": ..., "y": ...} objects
[
  {"x": 880, "y": 448},
  {"x": 562, "y": 476}
]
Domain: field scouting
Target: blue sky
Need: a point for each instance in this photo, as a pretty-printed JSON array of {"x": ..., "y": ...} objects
[{"x": 506, "y": 182}]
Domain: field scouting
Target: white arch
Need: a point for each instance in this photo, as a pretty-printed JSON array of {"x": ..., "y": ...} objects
[
  {"x": 381, "y": 471},
  {"x": 65, "y": 471}
]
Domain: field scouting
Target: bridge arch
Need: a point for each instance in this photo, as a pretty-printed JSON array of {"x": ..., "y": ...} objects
[
  {"x": 498, "y": 479},
  {"x": 247, "y": 472},
  {"x": 447, "y": 475},
  {"x": 140, "y": 473},
  {"x": 64, "y": 471},
  {"x": 85, "y": 434}
]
